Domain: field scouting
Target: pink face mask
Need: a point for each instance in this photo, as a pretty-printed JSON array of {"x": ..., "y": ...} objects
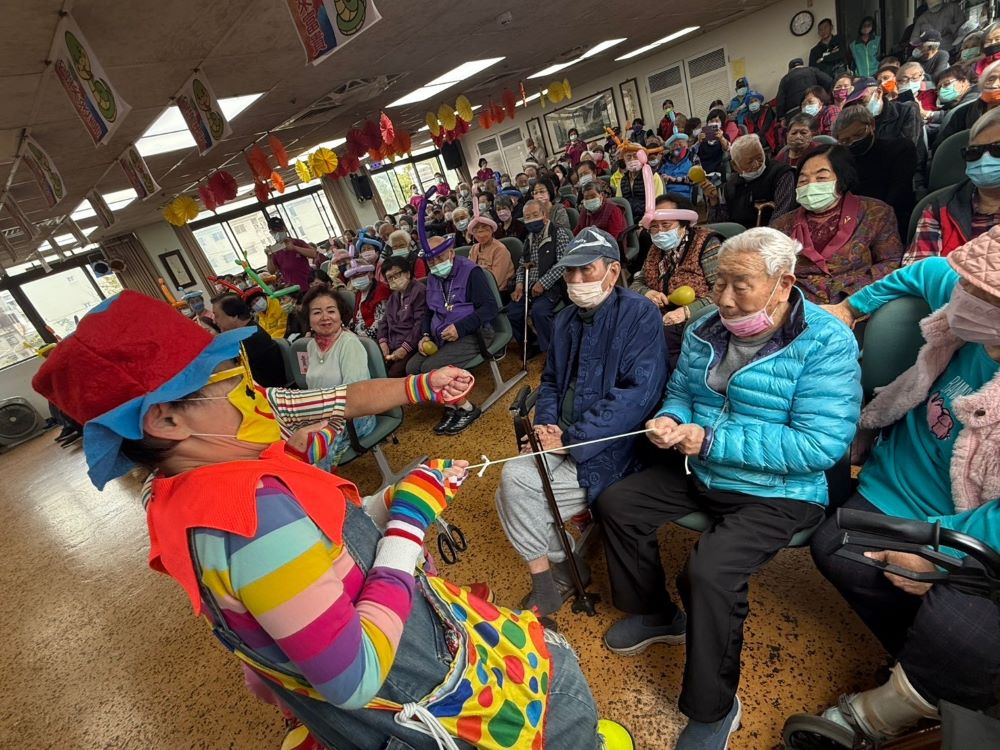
[
  {"x": 972, "y": 319},
  {"x": 754, "y": 324}
]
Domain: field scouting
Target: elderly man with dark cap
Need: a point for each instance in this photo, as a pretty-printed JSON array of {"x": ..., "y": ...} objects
[
  {"x": 606, "y": 367},
  {"x": 794, "y": 84}
]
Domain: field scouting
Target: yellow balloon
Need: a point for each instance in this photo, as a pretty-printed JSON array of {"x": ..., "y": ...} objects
[
  {"x": 683, "y": 296},
  {"x": 464, "y": 108},
  {"x": 447, "y": 116},
  {"x": 567, "y": 91},
  {"x": 432, "y": 123}
]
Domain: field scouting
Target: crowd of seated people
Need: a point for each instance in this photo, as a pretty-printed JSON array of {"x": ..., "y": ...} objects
[{"x": 750, "y": 389}]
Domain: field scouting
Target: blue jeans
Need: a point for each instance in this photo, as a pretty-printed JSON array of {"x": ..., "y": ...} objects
[
  {"x": 421, "y": 664},
  {"x": 543, "y": 312}
]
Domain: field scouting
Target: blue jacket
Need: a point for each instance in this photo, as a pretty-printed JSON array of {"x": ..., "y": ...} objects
[
  {"x": 620, "y": 360},
  {"x": 679, "y": 169},
  {"x": 786, "y": 417}
]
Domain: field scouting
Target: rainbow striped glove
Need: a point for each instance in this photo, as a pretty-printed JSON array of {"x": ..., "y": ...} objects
[
  {"x": 417, "y": 500},
  {"x": 420, "y": 390}
]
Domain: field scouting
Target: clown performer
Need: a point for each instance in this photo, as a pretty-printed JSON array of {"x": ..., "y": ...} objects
[
  {"x": 321, "y": 593},
  {"x": 289, "y": 257}
]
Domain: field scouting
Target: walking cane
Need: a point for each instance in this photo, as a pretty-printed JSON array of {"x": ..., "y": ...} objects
[
  {"x": 584, "y": 601},
  {"x": 527, "y": 292}
]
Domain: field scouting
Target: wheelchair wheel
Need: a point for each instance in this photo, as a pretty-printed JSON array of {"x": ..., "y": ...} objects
[
  {"x": 811, "y": 732},
  {"x": 458, "y": 539}
]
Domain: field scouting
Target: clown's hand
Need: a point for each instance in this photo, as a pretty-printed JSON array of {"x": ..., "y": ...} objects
[
  {"x": 422, "y": 495},
  {"x": 313, "y": 443},
  {"x": 446, "y": 385},
  {"x": 455, "y": 473}
]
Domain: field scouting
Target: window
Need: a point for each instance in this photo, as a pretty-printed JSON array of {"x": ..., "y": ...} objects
[
  {"x": 393, "y": 181},
  {"x": 218, "y": 248},
  {"x": 18, "y": 337},
  {"x": 253, "y": 237},
  {"x": 63, "y": 298},
  {"x": 305, "y": 218},
  {"x": 109, "y": 283}
]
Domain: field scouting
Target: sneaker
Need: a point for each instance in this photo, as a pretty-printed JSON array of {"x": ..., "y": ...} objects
[
  {"x": 633, "y": 636},
  {"x": 614, "y": 736},
  {"x": 449, "y": 414},
  {"x": 462, "y": 420},
  {"x": 712, "y": 736}
]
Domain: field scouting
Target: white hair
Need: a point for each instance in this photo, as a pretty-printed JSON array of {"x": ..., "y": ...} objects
[
  {"x": 778, "y": 250},
  {"x": 746, "y": 144}
]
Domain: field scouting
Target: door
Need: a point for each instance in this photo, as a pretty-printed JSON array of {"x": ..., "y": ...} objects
[
  {"x": 514, "y": 151},
  {"x": 489, "y": 149}
]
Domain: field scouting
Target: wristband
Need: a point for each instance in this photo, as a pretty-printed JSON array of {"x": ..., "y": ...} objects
[{"x": 418, "y": 389}]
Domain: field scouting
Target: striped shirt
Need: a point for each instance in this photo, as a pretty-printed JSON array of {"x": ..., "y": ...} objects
[{"x": 303, "y": 603}]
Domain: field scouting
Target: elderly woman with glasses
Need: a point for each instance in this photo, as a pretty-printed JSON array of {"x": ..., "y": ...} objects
[{"x": 764, "y": 399}]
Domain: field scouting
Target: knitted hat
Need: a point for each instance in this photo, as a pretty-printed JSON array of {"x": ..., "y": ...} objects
[
  {"x": 978, "y": 261},
  {"x": 126, "y": 355}
]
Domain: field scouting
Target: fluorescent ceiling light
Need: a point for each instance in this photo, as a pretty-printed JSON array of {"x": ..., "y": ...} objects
[
  {"x": 118, "y": 199},
  {"x": 657, "y": 43},
  {"x": 169, "y": 132},
  {"x": 446, "y": 80},
  {"x": 532, "y": 97},
  {"x": 595, "y": 50},
  {"x": 83, "y": 211}
]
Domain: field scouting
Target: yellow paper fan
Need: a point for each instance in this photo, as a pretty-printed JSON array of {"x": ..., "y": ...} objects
[
  {"x": 432, "y": 123},
  {"x": 464, "y": 108},
  {"x": 555, "y": 92},
  {"x": 302, "y": 170},
  {"x": 446, "y": 115},
  {"x": 322, "y": 161},
  {"x": 567, "y": 91}
]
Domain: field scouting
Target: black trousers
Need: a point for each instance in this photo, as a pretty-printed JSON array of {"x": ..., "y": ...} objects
[
  {"x": 947, "y": 641},
  {"x": 747, "y": 532}
]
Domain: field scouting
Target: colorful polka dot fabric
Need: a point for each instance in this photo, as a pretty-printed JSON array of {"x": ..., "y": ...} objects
[{"x": 499, "y": 702}]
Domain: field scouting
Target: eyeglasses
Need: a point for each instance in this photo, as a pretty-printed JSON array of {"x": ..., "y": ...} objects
[
  {"x": 393, "y": 276},
  {"x": 975, "y": 153}
]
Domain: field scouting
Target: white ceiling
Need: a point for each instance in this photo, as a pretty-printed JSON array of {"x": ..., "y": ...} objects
[{"x": 150, "y": 49}]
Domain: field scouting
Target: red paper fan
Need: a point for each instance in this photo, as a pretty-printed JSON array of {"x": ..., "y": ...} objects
[
  {"x": 223, "y": 186},
  {"x": 278, "y": 182},
  {"x": 373, "y": 135},
  {"x": 388, "y": 131},
  {"x": 404, "y": 142},
  {"x": 484, "y": 120},
  {"x": 278, "y": 149},
  {"x": 207, "y": 197},
  {"x": 509, "y": 102},
  {"x": 260, "y": 190},
  {"x": 259, "y": 163},
  {"x": 496, "y": 113}
]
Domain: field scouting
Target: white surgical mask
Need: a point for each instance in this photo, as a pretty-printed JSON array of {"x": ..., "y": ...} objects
[
  {"x": 462, "y": 224},
  {"x": 586, "y": 179},
  {"x": 592, "y": 204},
  {"x": 588, "y": 294},
  {"x": 751, "y": 176},
  {"x": 811, "y": 109},
  {"x": 972, "y": 319},
  {"x": 361, "y": 283}
]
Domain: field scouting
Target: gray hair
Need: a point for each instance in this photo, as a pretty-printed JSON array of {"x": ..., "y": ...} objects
[
  {"x": 990, "y": 29},
  {"x": 533, "y": 204},
  {"x": 400, "y": 235},
  {"x": 778, "y": 251},
  {"x": 850, "y": 116},
  {"x": 910, "y": 65},
  {"x": 745, "y": 144},
  {"x": 989, "y": 120}
]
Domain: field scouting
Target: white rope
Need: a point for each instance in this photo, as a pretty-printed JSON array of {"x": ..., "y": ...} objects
[
  {"x": 419, "y": 719},
  {"x": 487, "y": 462}
]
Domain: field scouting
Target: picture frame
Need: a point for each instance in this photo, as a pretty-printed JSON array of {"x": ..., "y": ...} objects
[
  {"x": 177, "y": 269},
  {"x": 631, "y": 102},
  {"x": 537, "y": 134},
  {"x": 589, "y": 115}
]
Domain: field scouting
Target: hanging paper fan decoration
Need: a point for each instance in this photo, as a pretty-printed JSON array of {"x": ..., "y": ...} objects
[
  {"x": 278, "y": 150},
  {"x": 356, "y": 140},
  {"x": 260, "y": 190},
  {"x": 432, "y": 123},
  {"x": 223, "y": 186},
  {"x": 302, "y": 170},
  {"x": 496, "y": 113},
  {"x": 447, "y": 116},
  {"x": 541, "y": 98},
  {"x": 464, "y": 108},
  {"x": 509, "y": 102},
  {"x": 555, "y": 92},
  {"x": 484, "y": 120},
  {"x": 524, "y": 96},
  {"x": 373, "y": 134},
  {"x": 353, "y": 165},
  {"x": 322, "y": 161},
  {"x": 461, "y": 128},
  {"x": 401, "y": 144},
  {"x": 388, "y": 131},
  {"x": 567, "y": 91},
  {"x": 181, "y": 210},
  {"x": 259, "y": 162},
  {"x": 277, "y": 182},
  {"x": 208, "y": 197}
]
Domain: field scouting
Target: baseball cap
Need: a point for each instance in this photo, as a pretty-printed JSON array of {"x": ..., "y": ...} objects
[{"x": 592, "y": 243}]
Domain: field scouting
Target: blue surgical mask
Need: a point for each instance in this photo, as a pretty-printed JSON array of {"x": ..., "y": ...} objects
[
  {"x": 441, "y": 270},
  {"x": 754, "y": 106},
  {"x": 741, "y": 91},
  {"x": 811, "y": 109},
  {"x": 361, "y": 283},
  {"x": 875, "y": 107},
  {"x": 912, "y": 86},
  {"x": 592, "y": 204},
  {"x": 535, "y": 226},
  {"x": 948, "y": 94},
  {"x": 667, "y": 240},
  {"x": 971, "y": 53},
  {"x": 984, "y": 172}
]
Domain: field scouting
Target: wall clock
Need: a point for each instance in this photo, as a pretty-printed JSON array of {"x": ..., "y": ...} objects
[{"x": 802, "y": 23}]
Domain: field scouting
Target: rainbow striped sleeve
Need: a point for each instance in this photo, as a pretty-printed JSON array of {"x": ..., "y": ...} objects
[
  {"x": 297, "y": 409},
  {"x": 303, "y": 602}
]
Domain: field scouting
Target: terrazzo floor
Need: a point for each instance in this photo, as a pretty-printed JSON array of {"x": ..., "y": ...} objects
[{"x": 97, "y": 651}]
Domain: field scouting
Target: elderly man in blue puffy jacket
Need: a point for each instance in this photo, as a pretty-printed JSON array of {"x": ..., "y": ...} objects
[
  {"x": 603, "y": 377},
  {"x": 765, "y": 398}
]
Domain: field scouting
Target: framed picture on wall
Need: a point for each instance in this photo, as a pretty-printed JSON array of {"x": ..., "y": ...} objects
[
  {"x": 536, "y": 134},
  {"x": 630, "y": 100},
  {"x": 589, "y": 116},
  {"x": 177, "y": 269}
]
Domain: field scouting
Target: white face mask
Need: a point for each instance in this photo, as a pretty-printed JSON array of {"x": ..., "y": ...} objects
[
  {"x": 588, "y": 294},
  {"x": 751, "y": 176},
  {"x": 972, "y": 319}
]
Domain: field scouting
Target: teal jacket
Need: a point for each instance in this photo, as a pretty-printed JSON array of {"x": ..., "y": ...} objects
[{"x": 786, "y": 417}]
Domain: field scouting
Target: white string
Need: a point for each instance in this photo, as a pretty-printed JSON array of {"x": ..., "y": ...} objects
[
  {"x": 416, "y": 717},
  {"x": 487, "y": 462}
]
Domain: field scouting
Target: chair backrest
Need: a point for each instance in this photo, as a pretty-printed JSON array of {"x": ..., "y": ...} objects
[
  {"x": 516, "y": 248},
  {"x": 826, "y": 139},
  {"x": 727, "y": 228},
  {"x": 348, "y": 297},
  {"x": 464, "y": 250},
  {"x": 626, "y": 207},
  {"x": 567, "y": 191},
  {"x": 502, "y": 328},
  {"x": 574, "y": 218},
  {"x": 891, "y": 341},
  {"x": 631, "y": 237},
  {"x": 300, "y": 355},
  {"x": 291, "y": 364},
  {"x": 947, "y": 165},
  {"x": 919, "y": 209},
  {"x": 376, "y": 368}
]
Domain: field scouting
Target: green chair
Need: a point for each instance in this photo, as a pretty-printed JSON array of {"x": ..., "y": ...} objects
[
  {"x": 893, "y": 333},
  {"x": 290, "y": 363},
  {"x": 919, "y": 209},
  {"x": 947, "y": 165},
  {"x": 727, "y": 228},
  {"x": 567, "y": 192},
  {"x": 386, "y": 424},
  {"x": 516, "y": 248},
  {"x": 631, "y": 231},
  {"x": 574, "y": 218},
  {"x": 492, "y": 352},
  {"x": 464, "y": 250},
  {"x": 824, "y": 139}
]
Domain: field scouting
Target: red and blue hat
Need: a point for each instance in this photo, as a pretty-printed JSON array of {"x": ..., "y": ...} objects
[{"x": 126, "y": 355}]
